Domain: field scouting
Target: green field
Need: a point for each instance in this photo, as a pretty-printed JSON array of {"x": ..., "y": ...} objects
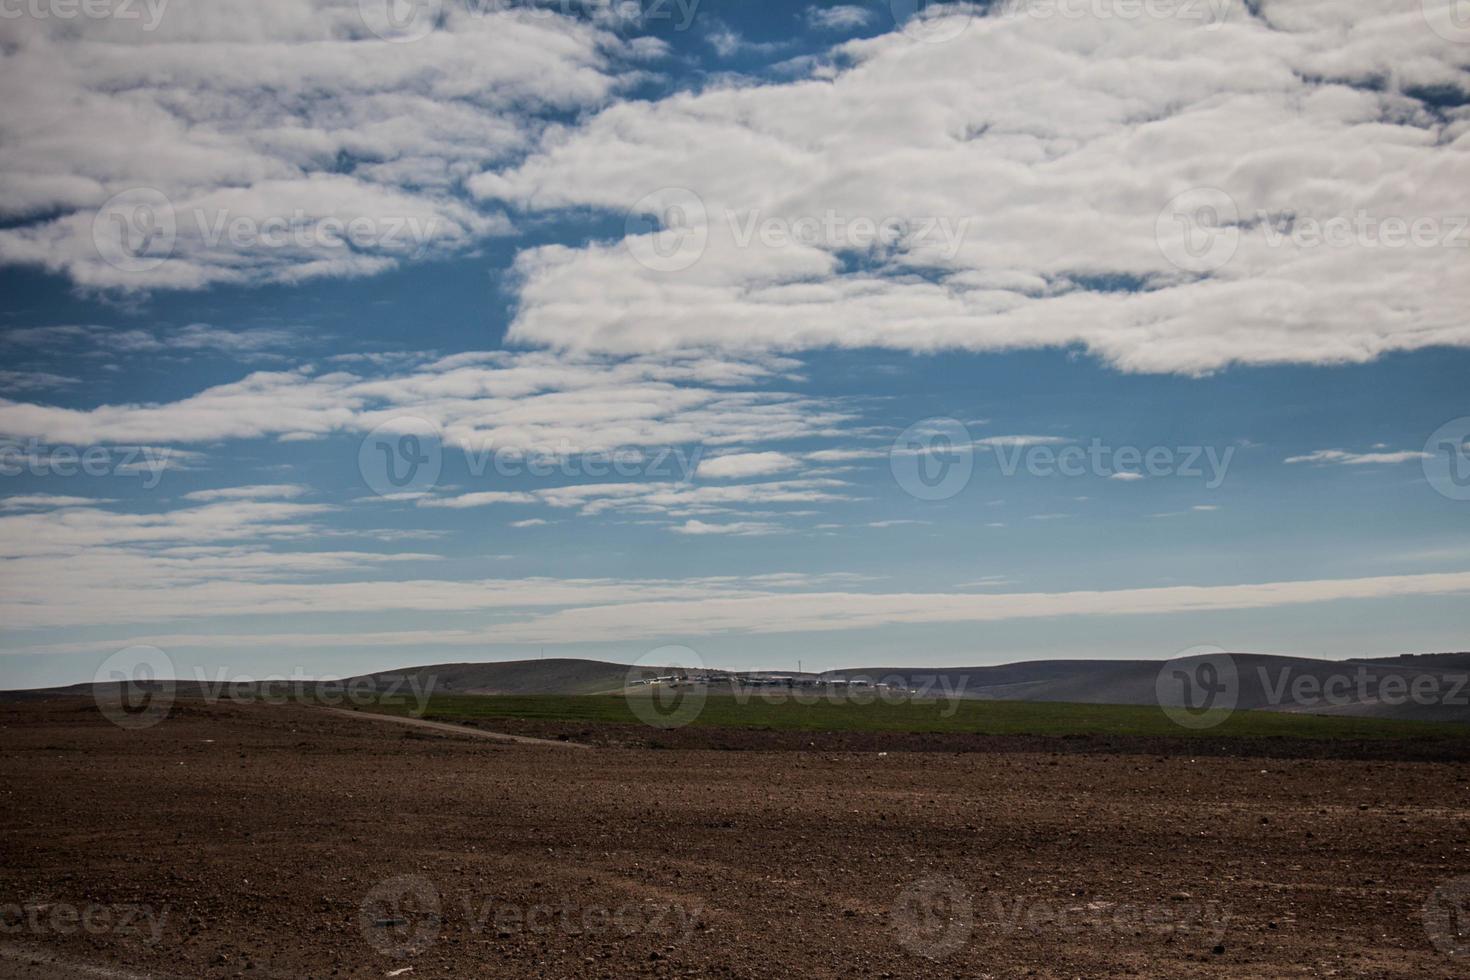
[{"x": 977, "y": 717}]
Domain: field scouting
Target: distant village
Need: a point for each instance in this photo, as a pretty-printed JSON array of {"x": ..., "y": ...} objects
[{"x": 768, "y": 680}]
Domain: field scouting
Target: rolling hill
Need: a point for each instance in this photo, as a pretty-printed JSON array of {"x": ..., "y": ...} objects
[{"x": 1429, "y": 687}]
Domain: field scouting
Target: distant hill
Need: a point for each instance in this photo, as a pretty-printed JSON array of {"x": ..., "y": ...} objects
[
  {"x": 1441, "y": 661},
  {"x": 550, "y": 676},
  {"x": 1378, "y": 689},
  {"x": 1364, "y": 688}
]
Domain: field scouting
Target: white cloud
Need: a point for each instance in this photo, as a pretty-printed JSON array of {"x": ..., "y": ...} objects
[
  {"x": 1125, "y": 476},
  {"x": 650, "y": 610},
  {"x": 532, "y": 401},
  {"x": 1051, "y": 147},
  {"x": 661, "y": 498},
  {"x": 259, "y": 110},
  {"x": 737, "y": 528},
  {"x": 34, "y": 380},
  {"x": 841, "y": 17},
  {"x": 745, "y": 465},
  {"x": 254, "y": 492},
  {"x": 1345, "y": 458},
  {"x": 49, "y": 501}
]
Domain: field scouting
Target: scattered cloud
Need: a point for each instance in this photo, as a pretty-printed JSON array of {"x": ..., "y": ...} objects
[
  {"x": 532, "y": 401},
  {"x": 740, "y": 528},
  {"x": 256, "y": 492},
  {"x": 745, "y": 465},
  {"x": 1344, "y": 458},
  {"x": 843, "y": 17}
]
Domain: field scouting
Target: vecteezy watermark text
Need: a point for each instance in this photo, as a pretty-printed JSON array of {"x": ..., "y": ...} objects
[
  {"x": 934, "y": 459},
  {"x": 405, "y": 914},
  {"x": 1202, "y": 229},
  {"x": 936, "y": 916},
  {"x": 1210, "y": 13},
  {"x": 149, "y": 13},
  {"x": 832, "y": 229},
  {"x": 1203, "y": 686},
  {"x": 1207, "y": 463},
  {"x": 139, "y": 229},
  {"x": 412, "y": 20},
  {"x": 136, "y": 687},
  {"x": 405, "y": 455},
  {"x": 45, "y": 918},
  {"x": 36, "y": 458},
  {"x": 668, "y": 688}
]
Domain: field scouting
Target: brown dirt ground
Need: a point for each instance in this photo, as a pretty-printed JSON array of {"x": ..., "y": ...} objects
[{"x": 276, "y": 842}]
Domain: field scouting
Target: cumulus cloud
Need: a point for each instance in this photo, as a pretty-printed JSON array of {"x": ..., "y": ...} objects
[
  {"x": 1022, "y": 178},
  {"x": 279, "y": 139}
]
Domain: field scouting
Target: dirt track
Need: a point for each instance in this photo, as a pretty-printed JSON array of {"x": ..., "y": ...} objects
[
  {"x": 287, "y": 842},
  {"x": 438, "y": 726}
]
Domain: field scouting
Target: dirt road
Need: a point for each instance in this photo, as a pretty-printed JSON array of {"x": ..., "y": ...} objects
[
  {"x": 438, "y": 726},
  {"x": 284, "y": 842}
]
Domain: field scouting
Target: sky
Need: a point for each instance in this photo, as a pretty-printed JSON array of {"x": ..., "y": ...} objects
[{"x": 340, "y": 336}]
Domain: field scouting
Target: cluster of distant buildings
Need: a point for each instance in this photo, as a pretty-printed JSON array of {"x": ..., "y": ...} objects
[{"x": 765, "y": 680}]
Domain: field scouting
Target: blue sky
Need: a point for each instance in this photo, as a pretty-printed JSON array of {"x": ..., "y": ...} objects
[{"x": 837, "y": 287}]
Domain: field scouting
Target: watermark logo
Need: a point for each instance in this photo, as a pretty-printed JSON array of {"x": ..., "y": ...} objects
[
  {"x": 1208, "y": 13},
  {"x": 135, "y": 688},
  {"x": 401, "y": 916},
  {"x": 1363, "y": 229},
  {"x": 667, "y": 230},
  {"x": 401, "y": 21},
  {"x": 1198, "y": 231},
  {"x": 45, "y": 918},
  {"x": 943, "y": 692},
  {"x": 135, "y": 231},
  {"x": 149, "y": 12},
  {"x": 1447, "y": 918},
  {"x": 834, "y": 230},
  {"x": 403, "y": 456},
  {"x": 933, "y": 459},
  {"x": 933, "y": 917},
  {"x": 147, "y": 463},
  {"x": 1446, "y": 459},
  {"x": 936, "y": 916},
  {"x": 931, "y": 21},
  {"x": 666, "y": 688},
  {"x": 139, "y": 230},
  {"x": 1450, "y": 19},
  {"x": 1209, "y": 464},
  {"x": 1201, "y": 924},
  {"x": 1198, "y": 688}
]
